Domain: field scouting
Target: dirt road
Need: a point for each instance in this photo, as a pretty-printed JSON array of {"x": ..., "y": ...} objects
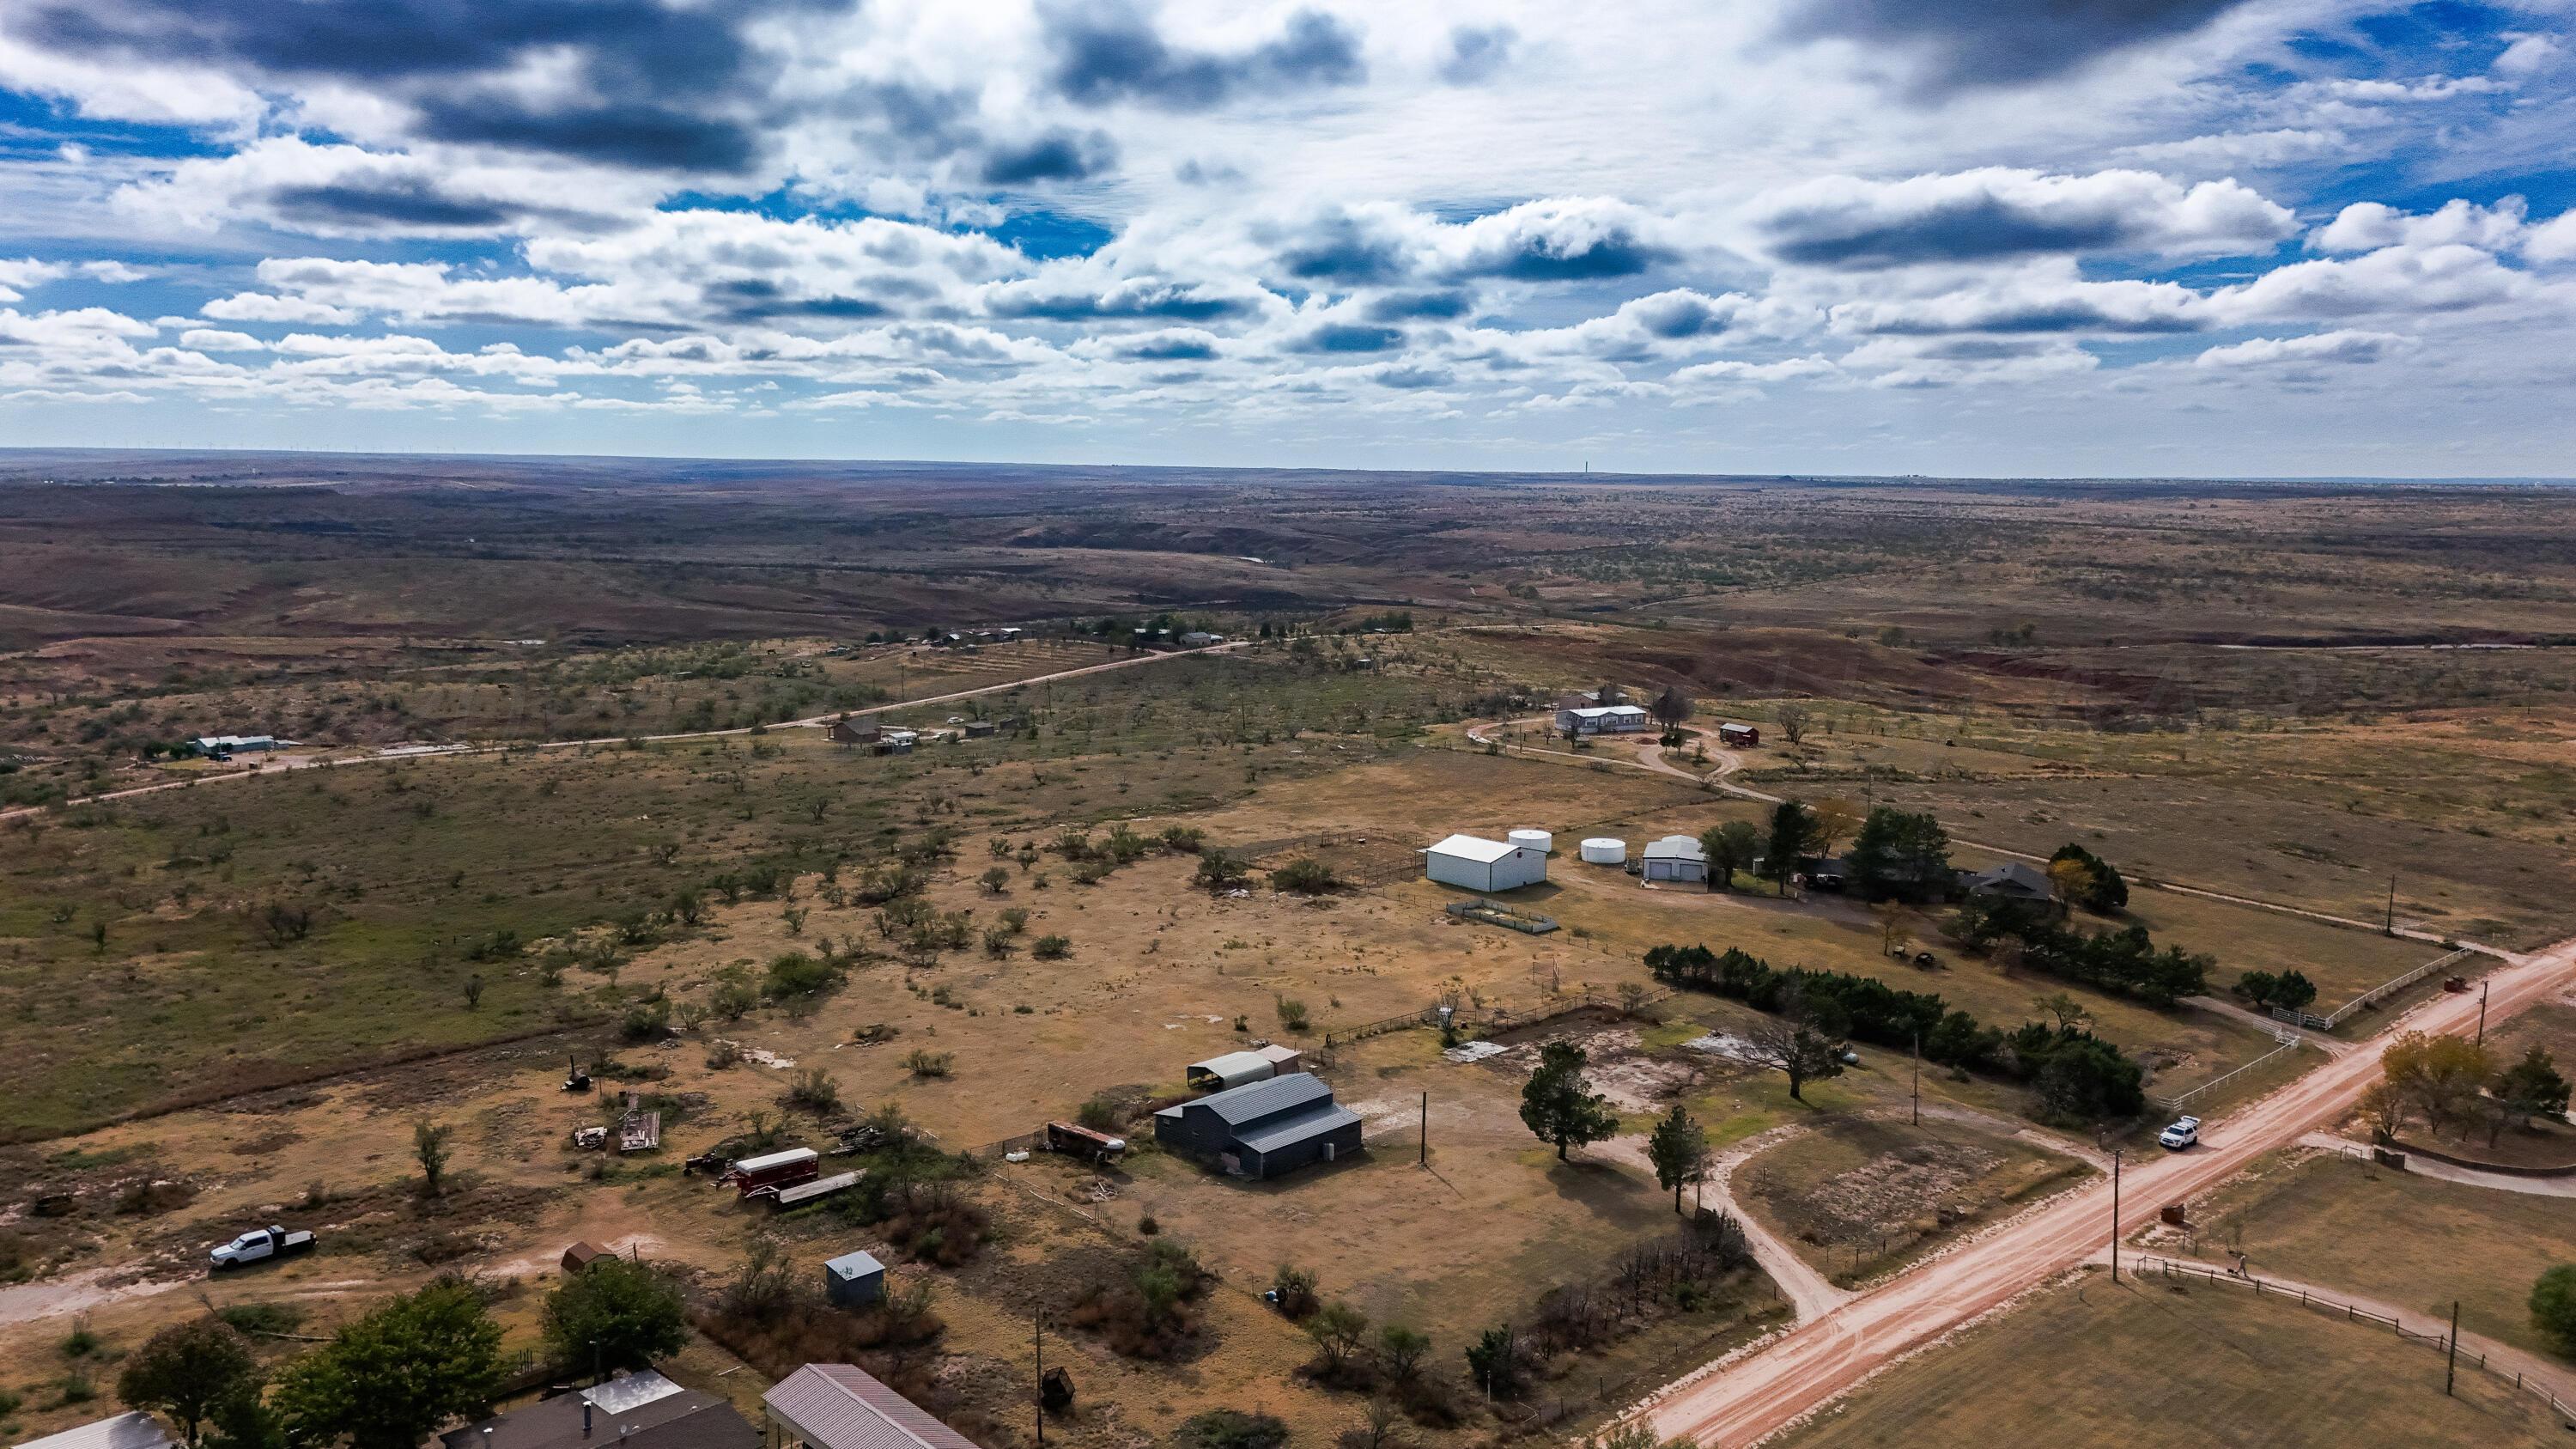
[
  {"x": 1823, "y": 1358},
  {"x": 447, "y": 752}
]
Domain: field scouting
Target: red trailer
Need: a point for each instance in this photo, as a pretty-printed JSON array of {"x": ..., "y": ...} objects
[{"x": 752, "y": 1176}]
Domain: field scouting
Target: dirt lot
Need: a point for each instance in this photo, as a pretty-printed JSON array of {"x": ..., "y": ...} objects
[
  {"x": 1858, "y": 1196},
  {"x": 2164, "y": 1370}
]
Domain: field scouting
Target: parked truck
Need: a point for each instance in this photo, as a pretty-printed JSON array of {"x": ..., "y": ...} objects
[{"x": 257, "y": 1245}]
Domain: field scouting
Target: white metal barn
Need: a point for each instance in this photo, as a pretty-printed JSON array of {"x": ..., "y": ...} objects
[
  {"x": 1484, "y": 865},
  {"x": 1676, "y": 857}
]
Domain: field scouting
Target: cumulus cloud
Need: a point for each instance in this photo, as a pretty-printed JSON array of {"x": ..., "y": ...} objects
[
  {"x": 2319, "y": 347},
  {"x": 2051, "y": 299},
  {"x": 1997, "y": 212},
  {"x": 16, "y": 277},
  {"x": 2393, "y": 281}
]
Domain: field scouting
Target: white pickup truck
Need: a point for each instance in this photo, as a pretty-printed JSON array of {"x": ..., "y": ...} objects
[{"x": 259, "y": 1244}]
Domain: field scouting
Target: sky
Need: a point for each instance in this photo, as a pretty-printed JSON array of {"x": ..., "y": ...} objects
[{"x": 1951, "y": 237}]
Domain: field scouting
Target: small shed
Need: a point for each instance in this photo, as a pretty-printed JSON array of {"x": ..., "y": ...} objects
[
  {"x": 1739, "y": 736},
  {"x": 1484, "y": 865},
  {"x": 582, "y": 1255},
  {"x": 1676, "y": 858},
  {"x": 854, "y": 1280},
  {"x": 977, "y": 729},
  {"x": 1234, "y": 1069},
  {"x": 841, "y": 1406},
  {"x": 853, "y": 731}
]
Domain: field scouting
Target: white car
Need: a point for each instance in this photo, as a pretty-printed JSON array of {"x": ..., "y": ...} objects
[{"x": 2185, "y": 1132}]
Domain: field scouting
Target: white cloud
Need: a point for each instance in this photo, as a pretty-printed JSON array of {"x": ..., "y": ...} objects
[
  {"x": 17, "y": 276},
  {"x": 2367, "y": 226},
  {"x": 2002, "y": 213},
  {"x": 2339, "y": 346}
]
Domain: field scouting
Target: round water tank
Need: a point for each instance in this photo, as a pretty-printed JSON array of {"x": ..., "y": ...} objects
[
  {"x": 1538, "y": 840},
  {"x": 1605, "y": 850}
]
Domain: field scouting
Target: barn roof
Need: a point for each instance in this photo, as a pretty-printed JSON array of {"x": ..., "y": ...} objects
[
  {"x": 1471, "y": 847},
  {"x": 1311, "y": 1123},
  {"x": 1676, "y": 847},
  {"x": 1255, "y": 1100},
  {"x": 841, "y": 1406}
]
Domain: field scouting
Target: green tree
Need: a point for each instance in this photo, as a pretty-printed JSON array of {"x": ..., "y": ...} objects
[
  {"x": 1338, "y": 1330},
  {"x": 2105, "y": 892},
  {"x": 2532, "y": 1087},
  {"x": 615, "y": 1314},
  {"x": 1494, "y": 1360},
  {"x": 2553, "y": 1307},
  {"x": 1400, "y": 1351},
  {"x": 1730, "y": 847},
  {"x": 391, "y": 1377},
  {"x": 1678, "y": 1148},
  {"x": 188, "y": 1371},
  {"x": 1793, "y": 839},
  {"x": 1557, "y": 1108},
  {"x": 429, "y": 1149},
  {"x": 1899, "y": 853}
]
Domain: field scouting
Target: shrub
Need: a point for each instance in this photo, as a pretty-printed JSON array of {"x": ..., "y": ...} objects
[
  {"x": 796, "y": 974},
  {"x": 1306, "y": 876},
  {"x": 814, "y": 1090},
  {"x": 1221, "y": 870},
  {"x": 1292, "y": 1013},
  {"x": 1051, "y": 948},
  {"x": 923, "y": 1063},
  {"x": 1230, "y": 1429},
  {"x": 1100, "y": 1114},
  {"x": 1295, "y": 1288},
  {"x": 2553, "y": 1307},
  {"x": 1183, "y": 839}
]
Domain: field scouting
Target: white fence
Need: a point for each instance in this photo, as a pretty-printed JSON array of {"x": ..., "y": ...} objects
[
  {"x": 2386, "y": 989},
  {"x": 2289, "y": 1043}
]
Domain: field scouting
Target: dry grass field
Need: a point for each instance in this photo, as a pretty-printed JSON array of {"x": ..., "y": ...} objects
[
  {"x": 2159, "y": 1369},
  {"x": 2402, "y": 1239},
  {"x": 1858, "y": 1197}
]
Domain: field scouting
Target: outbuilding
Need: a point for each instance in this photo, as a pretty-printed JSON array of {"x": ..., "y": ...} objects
[
  {"x": 1484, "y": 865},
  {"x": 1738, "y": 736},
  {"x": 1234, "y": 1069},
  {"x": 853, "y": 731},
  {"x": 1676, "y": 858},
  {"x": 132, "y": 1430},
  {"x": 1263, "y": 1129},
  {"x": 854, "y": 1280},
  {"x": 235, "y": 744},
  {"x": 2010, "y": 881},
  {"x": 842, "y": 1406}
]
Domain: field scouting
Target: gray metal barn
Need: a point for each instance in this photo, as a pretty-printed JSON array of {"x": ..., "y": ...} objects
[{"x": 1263, "y": 1129}]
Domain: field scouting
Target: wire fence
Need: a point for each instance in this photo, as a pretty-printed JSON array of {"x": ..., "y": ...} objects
[
  {"x": 1495, "y": 1017},
  {"x": 2176, "y": 1270}
]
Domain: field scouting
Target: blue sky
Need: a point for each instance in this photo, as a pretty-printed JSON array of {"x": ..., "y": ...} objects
[{"x": 1999, "y": 237}]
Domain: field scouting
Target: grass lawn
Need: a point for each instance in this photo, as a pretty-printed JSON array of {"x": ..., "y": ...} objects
[
  {"x": 2411, "y": 1241},
  {"x": 2148, "y": 1368},
  {"x": 1858, "y": 1196}
]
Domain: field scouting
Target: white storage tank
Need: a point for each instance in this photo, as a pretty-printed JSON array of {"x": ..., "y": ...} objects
[
  {"x": 1538, "y": 840},
  {"x": 1605, "y": 850}
]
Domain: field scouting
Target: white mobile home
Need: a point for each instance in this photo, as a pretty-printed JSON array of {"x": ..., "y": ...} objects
[
  {"x": 1484, "y": 865},
  {"x": 1602, "y": 719}
]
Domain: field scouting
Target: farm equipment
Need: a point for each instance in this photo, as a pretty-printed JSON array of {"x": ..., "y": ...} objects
[{"x": 575, "y": 1079}]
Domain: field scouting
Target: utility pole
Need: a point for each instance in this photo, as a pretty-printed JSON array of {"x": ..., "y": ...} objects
[
  {"x": 1037, "y": 1333},
  {"x": 2115, "y": 1215},
  {"x": 2389, "y": 926},
  {"x": 1426, "y": 1131},
  {"x": 1918, "y": 1079},
  {"x": 2482, "y": 1011},
  {"x": 2451, "y": 1373}
]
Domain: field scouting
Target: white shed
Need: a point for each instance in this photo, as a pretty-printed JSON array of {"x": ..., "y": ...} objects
[
  {"x": 1484, "y": 865},
  {"x": 1676, "y": 857}
]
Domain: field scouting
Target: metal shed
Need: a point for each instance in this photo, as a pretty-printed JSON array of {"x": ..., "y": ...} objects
[
  {"x": 1676, "y": 858},
  {"x": 1484, "y": 865},
  {"x": 1234, "y": 1069},
  {"x": 841, "y": 1406},
  {"x": 854, "y": 1280}
]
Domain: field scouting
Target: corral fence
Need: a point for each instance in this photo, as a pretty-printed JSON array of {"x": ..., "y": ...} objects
[
  {"x": 2180, "y": 1100},
  {"x": 2175, "y": 1270},
  {"x": 2385, "y": 990},
  {"x": 1495, "y": 1017}
]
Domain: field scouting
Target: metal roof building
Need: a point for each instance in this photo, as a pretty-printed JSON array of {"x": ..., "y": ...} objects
[
  {"x": 1676, "y": 857},
  {"x": 1263, "y": 1129},
  {"x": 639, "y": 1409},
  {"x": 1484, "y": 865},
  {"x": 1234, "y": 1069},
  {"x": 841, "y": 1406},
  {"x": 124, "y": 1431}
]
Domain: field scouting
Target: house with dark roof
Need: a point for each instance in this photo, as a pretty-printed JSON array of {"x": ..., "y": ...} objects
[
  {"x": 2010, "y": 881},
  {"x": 1264, "y": 1128},
  {"x": 841, "y": 1406},
  {"x": 133, "y": 1430},
  {"x": 637, "y": 1411}
]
